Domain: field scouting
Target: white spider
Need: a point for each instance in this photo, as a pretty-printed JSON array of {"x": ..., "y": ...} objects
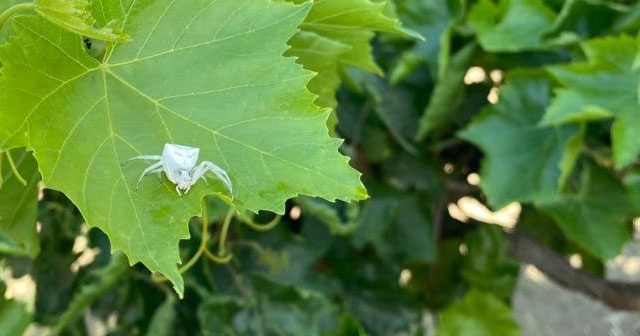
[{"x": 179, "y": 164}]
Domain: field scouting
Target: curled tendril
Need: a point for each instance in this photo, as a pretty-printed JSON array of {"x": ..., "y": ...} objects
[{"x": 260, "y": 227}]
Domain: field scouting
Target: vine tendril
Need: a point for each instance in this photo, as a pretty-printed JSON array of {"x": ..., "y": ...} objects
[
  {"x": 14, "y": 169},
  {"x": 260, "y": 227},
  {"x": 222, "y": 257}
]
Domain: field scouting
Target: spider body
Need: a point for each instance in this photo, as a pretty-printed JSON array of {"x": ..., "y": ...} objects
[{"x": 179, "y": 163}]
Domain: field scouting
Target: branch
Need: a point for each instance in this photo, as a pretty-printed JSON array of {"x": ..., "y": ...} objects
[{"x": 618, "y": 295}]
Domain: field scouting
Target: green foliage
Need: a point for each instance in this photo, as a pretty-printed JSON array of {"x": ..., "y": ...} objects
[
  {"x": 277, "y": 310},
  {"x": 524, "y": 162},
  {"x": 477, "y": 314},
  {"x": 262, "y": 87},
  {"x": 606, "y": 86},
  {"x": 487, "y": 266},
  {"x": 510, "y": 25},
  {"x": 333, "y": 37},
  {"x": 596, "y": 217}
]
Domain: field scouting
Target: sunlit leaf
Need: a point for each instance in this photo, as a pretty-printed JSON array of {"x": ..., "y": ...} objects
[
  {"x": 208, "y": 75},
  {"x": 337, "y": 34},
  {"x": 75, "y": 15}
]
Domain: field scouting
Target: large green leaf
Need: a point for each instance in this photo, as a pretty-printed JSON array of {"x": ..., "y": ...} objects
[
  {"x": 335, "y": 34},
  {"x": 604, "y": 86},
  {"x": 523, "y": 161},
  {"x": 209, "y": 75},
  {"x": 510, "y": 25},
  {"x": 477, "y": 314},
  {"x": 18, "y": 204},
  {"x": 597, "y": 217}
]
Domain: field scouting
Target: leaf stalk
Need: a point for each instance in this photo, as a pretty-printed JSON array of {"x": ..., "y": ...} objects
[{"x": 15, "y": 9}]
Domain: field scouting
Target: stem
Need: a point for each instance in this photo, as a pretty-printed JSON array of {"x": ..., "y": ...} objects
[
  {"x": 11, "y": 11},
  {"x": 14, "y": 169},
  {"x": 107, "y": 276},
  {"x": 221, "y": 258},
  {"x": 223, "y": 234},
  {"x": 598, "y": 157},
  {"x": 217, "y": 259}
]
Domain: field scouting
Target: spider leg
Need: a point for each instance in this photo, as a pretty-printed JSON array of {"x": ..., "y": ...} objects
[
  {"x": 205, "y": 166},
  {"x": 144, "y": 157},
  {"x": 154, "y": 168}
]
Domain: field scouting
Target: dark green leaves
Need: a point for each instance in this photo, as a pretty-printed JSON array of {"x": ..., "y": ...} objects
[
  {"x": 523, "y": 161},
  {"x": 398, "y": 227},
  {"x": 597, "y": 217},
  {"x": 276, "y": 310}
]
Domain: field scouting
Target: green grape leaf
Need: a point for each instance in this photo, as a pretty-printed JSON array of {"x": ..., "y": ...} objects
[
  {"x": 596, "y": 217},
  {"x": 523, "y": 161},
  {"x": 509, "y": 26},
  {"x": 208, "y": 75},
  {"x": 605, "y": 86},
  {"x": 335, "y": 34},
  {"x": 487, "y": 266},
  {"x": 477, "y": 314},
  {"x": 75, "y": 15},
  {"x": 18, "y": 204}
]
